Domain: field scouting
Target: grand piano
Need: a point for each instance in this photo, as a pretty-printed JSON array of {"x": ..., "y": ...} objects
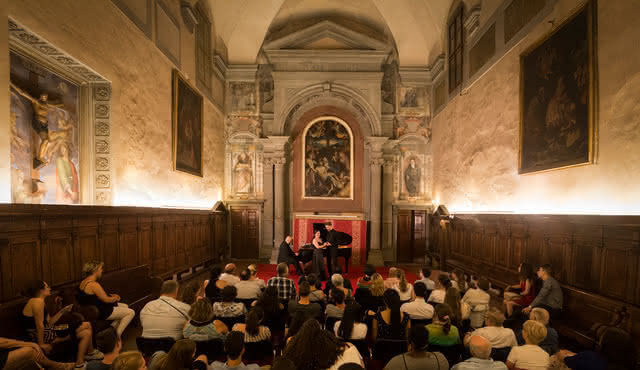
[{"x": 344, "y": 246}]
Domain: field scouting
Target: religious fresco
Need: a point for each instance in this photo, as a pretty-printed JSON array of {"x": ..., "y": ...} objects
[
  {"x": 412, "y": 97},
  {"x": 328, "y": 160},
  {"x": 243, "y": 182},
  {"x": 557, "y": 98},
  {"x": 412, "y": 165},
  {"x": 187, "y": 127},
  {"x": 243, "y": 97},
  {"x": 44, "y": 135}
]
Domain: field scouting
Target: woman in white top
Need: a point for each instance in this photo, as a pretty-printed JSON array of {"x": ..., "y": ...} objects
[
  {"x": 530, "y": 356},
  {"x": 350, "y": 326},
  {"x": 437, "y": 295},
  {"x": 404, "y": 289}
]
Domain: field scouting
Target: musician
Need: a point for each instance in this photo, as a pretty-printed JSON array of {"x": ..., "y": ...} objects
[
  {"x": 288, "y": 256},
  {"x": 332, "y": 247},
  {"x": 318, "y": 256}
]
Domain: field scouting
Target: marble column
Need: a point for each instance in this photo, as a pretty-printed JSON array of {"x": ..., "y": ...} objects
[
  {"x": 387, "y": 202},
  {"x": 375, "y": 253},
  {"x": 278, "y": 201}
]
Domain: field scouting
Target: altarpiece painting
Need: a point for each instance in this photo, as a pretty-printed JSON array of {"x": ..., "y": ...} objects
[
  {"x": 187, "y": 127},
  {"x": 558, "y": 97},
  {"x": 328, "y": 159},
  {"x": 44, "y": 135}
]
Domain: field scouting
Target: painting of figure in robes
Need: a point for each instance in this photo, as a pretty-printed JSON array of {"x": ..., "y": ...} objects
[{"x": 187, "y": 127}]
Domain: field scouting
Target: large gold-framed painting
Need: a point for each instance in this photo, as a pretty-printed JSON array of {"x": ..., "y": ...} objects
[
  {"x": 328, "y": 159},
  {"x": 558, "y": 96},
  {"x": 187, "y": 127}
]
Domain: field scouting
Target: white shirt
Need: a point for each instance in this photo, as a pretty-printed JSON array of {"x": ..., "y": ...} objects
[
  {"x": 358, "y": 332},
  {"x": 430, "y": 284},
  {"x": 499, "y": 337},
  {"x": 230, "y": 278},
  {"x": 437, "y": 296},
  {"x": 260, "y": 283},
  {"x": 529, "y": 357},
  {"x": 248, "y": 289},
  {"x": 160, "y": 320},
  {"x": 476, "y": 297},
  {"x": 350, "y": 354},
  {"x": 418, "y": 309},
  {"x": 404, "y": 296}
]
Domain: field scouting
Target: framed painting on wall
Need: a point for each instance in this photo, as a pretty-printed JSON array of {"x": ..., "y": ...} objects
[
  {"x": 558, "y": 96},
  {"x": 187, "y": 120}
]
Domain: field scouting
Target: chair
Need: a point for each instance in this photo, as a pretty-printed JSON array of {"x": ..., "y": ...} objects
[
  {"x": 500, "y": 354},
  {"x": 422, "y": 322},
  {"x": 149, "y": 346},
  {"x": 260, "y": 352}
]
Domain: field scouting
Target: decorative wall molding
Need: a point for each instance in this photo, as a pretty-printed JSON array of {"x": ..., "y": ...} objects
[{"x": 143, "y": 21}]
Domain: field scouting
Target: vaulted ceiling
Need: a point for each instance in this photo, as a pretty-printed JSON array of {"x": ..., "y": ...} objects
[{"x": 414, "y": 26}]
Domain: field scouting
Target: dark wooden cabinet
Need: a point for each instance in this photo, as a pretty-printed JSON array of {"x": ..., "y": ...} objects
[
  {"x": 412, "y": 235},
  {"x": 245, "y": 232}
]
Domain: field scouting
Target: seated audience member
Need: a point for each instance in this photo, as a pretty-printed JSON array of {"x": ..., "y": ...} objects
[
  {"x": 527, "y": 291},
  {"x": 213, "y": 287},
  {"x": 286, "y": 287},
  {"x": 234, "y": 348},
  {"x": 202, "y": 327},
  {"x": 498, "y": 336},
  {"x": 418, "y": 309},
  {"x": 90, "y": 292},
  {"x": 15, "y": 352},
  {"x": 165, "y": 316},
  {"x": 371, "y": 299},
  {"x": 229, "y": 308},
  {"x": 346, "y": 283},
  {"x": 252, "y": 329},
  {"x": 389, "y": 329},
  {"x": 272, "y": 308},
  {"x": 283, "y": 363},
  {"x": 39, "y": 325},
  {"x": 438, "y": 294},
  {"x": 312, "y": 310},
  {"x": 477, "y": 300},
  {"x": 336, "y": 308},
  {"x": 247, "y": 289},
  {"x": 110, "y": 344},
  {"x": 365, "y": 281},
  {"x": 181, "y": 356},
  {"x": 307, "y": 270},
  {"x": 404, "y": 288},
  {"x": 551, "y": 342},
  {"x": 191, "y": 292},
  {"x": 441, "y": 332},
  {"x": 229, "y": 274},
  {"x": 417, "y": 358},
  {"x": 288, "y": 256},
  {"x": 614, "y": 350},
  {"x": 459, "y": 281},
  {"x": 425, "y": 278},
  {"x": 313, "y": 348},
  {"x": 530, "y": 356},
  {"x": 337, "y": 282},
  {"x": 392, "y": 278},
  {"x": 316, "y": 295},
  {"x": 297, "y": 320},
  {"x": 550, "y": 295},
  {"x": 480, "y": 349},
  {"x": 452, "y": 299},
  {"x": 254, "y": 276},
  {"x": 350, "y": 326},
  {"x": 131, "y": 360}
]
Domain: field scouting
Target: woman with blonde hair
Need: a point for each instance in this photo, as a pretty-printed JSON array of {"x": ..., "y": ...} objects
[
  {"x": 132, "y": 360},
  {"x": 254, "y": 276},
  {"x": 372, "y": 298},
  {"x": 91, "y": 293},
  {"x": 404, "y": 288},
  {"x": 530, "y": 355}
]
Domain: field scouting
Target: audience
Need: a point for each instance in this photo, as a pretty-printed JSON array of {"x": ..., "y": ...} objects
[
  {"x": 336, "y": 308},
  {"x": 16, "y": 352},
  {"x": 389, "y": 329},
  {"x": 311, "y": 310},
  {"x": 550, "y": 295},
  {"x": 283, "y": 363},
  {"x": 191, "y": 292},
  {"x": 247, "y": 288},
  {"x": 165, "y": 316},
  {"x": 370, "y": 299},
  {"x": 234, "y": 348},
  {"x": 365, "y": 281},
  {"x": 213, "y": 287},
  {"x": 132, "y": 360},
  {"x": 480, "y": 349},
  {"x": 346, "y": 283},
  {"x": 418, "y": 309},
  {"x": 90, "y": 292},
  {"x": 254, "y": 276},
  {"x": 286, "y": 287},
  {"x": 530, "y": 355},
  {"x": 392, "y": 278},
  {"x": 614, "y": 350},
  {"x": 229, "y": 274},
  {"x": 551, "y": 342},
  {"x": 229, "y": 308},
  {"x": 477, "y": 300},
  {"x": 526, "y": 288},
  {"x": 313, "y": 348},
  {"x": 180, "y": 357},
  {"x": 110, "y": 344},
  {"x": 202, "y": 327},
  {"x": 350, "y": 326},
  {"x": 458, "y": 281},
  {"x": 441, "y": 331},
  {"x": 418, "y": 358},
  {"x": 252, "y": 330},
  {"x": 425, "y": 278},
  {"x": 404, "y": 289},
  {"x": 271, "y": 306},
  {"x": 438, "y": 294},
  {"x": 316, "y": 295},
  {"x": 452, "y": 299},
  {"x": 337, "y": 283},
  {"x": 39, "y": 325},
  {"x": 498, "y": 336}
]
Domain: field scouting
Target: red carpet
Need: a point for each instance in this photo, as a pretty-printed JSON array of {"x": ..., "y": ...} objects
[{"x": 267, "y": 271}]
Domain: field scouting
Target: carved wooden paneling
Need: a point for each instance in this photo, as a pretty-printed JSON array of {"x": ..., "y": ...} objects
[
  {"x": 109, "y": 243},
  {"x": 20, "y": 261},
  {"x": 144, "y": 241},
  {"x": 57, "y": 250}
]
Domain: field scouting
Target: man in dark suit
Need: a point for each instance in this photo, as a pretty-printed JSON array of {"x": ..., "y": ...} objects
[
  {"x": 288, "y": 256},
  {"x": 332, "y": 248}
]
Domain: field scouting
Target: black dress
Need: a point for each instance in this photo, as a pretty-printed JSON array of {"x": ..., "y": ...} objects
[
  {"x": 28, "y": 323},
  {"x": 104, "y": 309},
  {"x": 318, "y": 263}
]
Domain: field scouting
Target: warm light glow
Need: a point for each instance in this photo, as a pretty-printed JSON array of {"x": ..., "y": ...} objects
[
  {"x": 532, "y": 207},
  {"x": 126, "y": 198}
]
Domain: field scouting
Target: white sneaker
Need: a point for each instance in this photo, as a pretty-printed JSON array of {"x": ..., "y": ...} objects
[
  {"x": 95, "y": 355},
  {"x": 81, "y": 367}
]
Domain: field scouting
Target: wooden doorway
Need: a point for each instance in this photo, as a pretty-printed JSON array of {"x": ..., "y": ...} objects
[
  {"x": 411, "y": 240},
  {"x": 245, "y": 232}
]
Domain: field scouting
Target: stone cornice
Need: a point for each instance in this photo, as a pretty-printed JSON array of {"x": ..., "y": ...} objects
[{"x": 241, "y": 72}]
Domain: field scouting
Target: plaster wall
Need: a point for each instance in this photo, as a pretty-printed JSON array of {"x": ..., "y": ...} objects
[
  {"x": 5, "y": 144},
  {"x": 99, "y": 35},
  {"x": 476, "y": 136}
]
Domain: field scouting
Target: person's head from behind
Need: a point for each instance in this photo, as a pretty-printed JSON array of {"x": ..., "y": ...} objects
[
  {"x": 540, "y": 315},
  {"x": 254, "y": 270},
  {"x": 304, "y": 289},
  {"x": 108, "y": 341},
  {"x": 170, "y": 289},
  {"x": 190, "y": 292},
  {"x": 283, "y": 363},
  {"x": 245, "y": 274},
  {"x": 234, "y": 345},
  {"x": 337, "y": 280},
  {"x": 377, "y": 285},
  {"x": 544, "y": 271},
  {"x": 338, "y": 295},
  {"x": 201, "y": 311},
  {"x": 452, "y": 298},
  {"x": 425, "y": 273},
  {"x": 132, "y": 360},
  {"x": 312, "y": 279},
  {"x": 525, "y": 271},
  {"x": 180, "y": 356},
  {"x": 313, "y": 342},
  {"x": 215, "y": 273},
  {"x": 283, "y": 269},
  {"x": 393, "y": 272},
  {"x": 483, "y": 284},
  {"x": 351, "y": 316},
  {"x": 229, "y": 293},
  {"x": 444, "y": 282},
  {"x": 230, "y": 268},
  {"x": 533, "y": 332},
  {"x": 253, "y": 320},
  {"x": 442, "y": 315},
  {"x": 418, "y": 338},
  {"x": 37, "y": 289},
  {"x": 369, "y": 270},
  {"x": 94, "y": 268},
  {"x": 494, "y": 317},
  {"x": 391, "y": 298},
  {"x": 479, "y": 347},
  {"x": 420, "y": 289}
]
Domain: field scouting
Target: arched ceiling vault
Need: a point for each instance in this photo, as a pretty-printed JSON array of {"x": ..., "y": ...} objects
[{"x": 414, "y": 26}]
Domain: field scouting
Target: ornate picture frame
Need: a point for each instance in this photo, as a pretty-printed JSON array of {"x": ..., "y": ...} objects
[{"x": 187, "y": 110}]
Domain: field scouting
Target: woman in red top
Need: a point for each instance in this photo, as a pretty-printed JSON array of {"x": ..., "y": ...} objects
[{"x": 527, "y": 289}]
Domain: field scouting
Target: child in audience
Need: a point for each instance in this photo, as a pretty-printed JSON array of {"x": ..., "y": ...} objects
[
  {"x": 110, "y": 344},
  {"x": 404, "y": 288},
  {"x": 530, "y": 356},
  {"x": 132, "y": 360},
  {"x": 441, "y": 331},
  {"x": 202, "y": 326},
  {"x": 182, "y": 356}
]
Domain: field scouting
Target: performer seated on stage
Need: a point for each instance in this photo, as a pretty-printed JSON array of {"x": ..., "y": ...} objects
[
  {"x": 318, "y": 256},
  {"x": 288, "y": 256}
]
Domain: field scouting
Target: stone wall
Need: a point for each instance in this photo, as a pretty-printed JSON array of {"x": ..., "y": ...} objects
[
  {"x": 101, "y": 36},
  {"x": 476, "y": 135}
]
